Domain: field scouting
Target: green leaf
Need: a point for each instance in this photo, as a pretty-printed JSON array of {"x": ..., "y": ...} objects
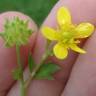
[
  {"x": 31, "y": 62},
  {"x": 16, "y": 74},
  {"x": 46, "y": 71}
]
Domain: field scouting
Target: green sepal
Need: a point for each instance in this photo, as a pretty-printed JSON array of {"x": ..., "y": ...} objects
[
  {"x": 16, "y": 74},
  {"x": 47, "y": 70},
  {"x": 31, "y": 63}
]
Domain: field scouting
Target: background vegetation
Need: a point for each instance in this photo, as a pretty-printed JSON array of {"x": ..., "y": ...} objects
[{"x": 36, "y": 9}]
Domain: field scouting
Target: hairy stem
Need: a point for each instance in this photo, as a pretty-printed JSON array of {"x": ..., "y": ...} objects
[
  {"x": 36, "y": 69},
  {"x": 22, "y": 87}
]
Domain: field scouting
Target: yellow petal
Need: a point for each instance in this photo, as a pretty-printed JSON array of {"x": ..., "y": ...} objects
[
  {"x": 74, "y": 47},
  {"x": 49, "y": 33},
  {"x": 60, "y": 51},
  {"x": 63, "y": 16},
  {"x": 84, "y": 30}
]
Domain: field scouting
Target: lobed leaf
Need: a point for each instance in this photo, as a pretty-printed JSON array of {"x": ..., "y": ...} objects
[{"x": 46, "y": 71}]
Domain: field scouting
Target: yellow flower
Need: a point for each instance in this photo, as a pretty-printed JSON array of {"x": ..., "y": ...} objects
[{"x": 67, "y": 35}]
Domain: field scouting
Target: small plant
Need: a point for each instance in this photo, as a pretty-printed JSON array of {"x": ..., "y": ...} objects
[{"x": 66, "y": 36}]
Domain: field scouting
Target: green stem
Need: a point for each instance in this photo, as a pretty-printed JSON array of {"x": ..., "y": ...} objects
[
  {"x": 36, "y": 69},
  {"x": 22, "y": 87}
]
